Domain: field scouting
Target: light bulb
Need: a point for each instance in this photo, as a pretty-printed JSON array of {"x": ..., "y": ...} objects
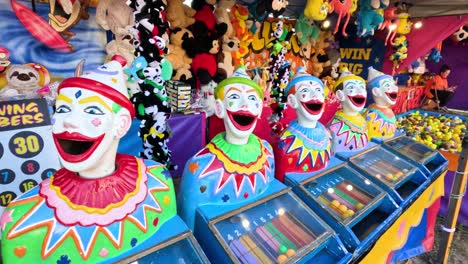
[
  {"x": 326, "y": 24},
  {"x": 418, "y": 25}
]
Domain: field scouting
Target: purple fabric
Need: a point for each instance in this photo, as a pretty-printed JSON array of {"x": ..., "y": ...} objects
[
  {"x": 456, "y": 57},
  {"x": 463, "y": 215},
  {"x": 434, "y": 30},
  {"x": 188, "y": 137}
]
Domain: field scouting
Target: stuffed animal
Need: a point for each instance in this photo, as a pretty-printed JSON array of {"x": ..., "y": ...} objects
[
  {"x": 225, "y": 62},
  {"x": 342, "y": 8},
  {"x": 317, "y": 9},
  {"x": 461, "y": 35},
  {"x": 390, "y": 23},
  {"x": 222, "y": 15},
  {"x": 306, "y": 29},
  {"x": 177, "y": 54},
  {"x": 179, "y": 15},
  {"x": 238, "y": 16},
  {"x": 274, "y": 7},
  {"x": 117, "y": 17},
  {"x": 4, "y": 59},
  {"x": 369, "y": 18},
  {"x": 205, "y": 20},
  {"x": 65, "y": 14},
  {"x": 319, "y": 57},
  {"x": 25, "y": 79}
]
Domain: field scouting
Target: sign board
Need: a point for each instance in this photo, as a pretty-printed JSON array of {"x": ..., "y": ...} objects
[{"x": 27, "y": 150}]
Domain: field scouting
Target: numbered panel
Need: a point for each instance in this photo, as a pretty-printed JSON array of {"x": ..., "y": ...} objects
[
  {"x": 274, "y": 231},
  {"x": 27, "y": 150}
]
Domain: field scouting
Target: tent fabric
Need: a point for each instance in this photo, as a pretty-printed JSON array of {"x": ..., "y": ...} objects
[{"x": 434, "y": 31}]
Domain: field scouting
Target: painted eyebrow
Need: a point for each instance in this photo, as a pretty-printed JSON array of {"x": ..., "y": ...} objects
[
  {"x": 233, "y": 88},
  {"x": 96, "y": 99},
  {"x": 65, "y": 98}
]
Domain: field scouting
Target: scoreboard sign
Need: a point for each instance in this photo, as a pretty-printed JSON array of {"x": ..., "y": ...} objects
[{"x": 27, "y": 150}]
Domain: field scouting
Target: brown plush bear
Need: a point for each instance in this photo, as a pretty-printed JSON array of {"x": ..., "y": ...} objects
[
  {"x": 319, "y": 57},
  {"x": 178, "y": 56},
  {"x": 179, "y": 15}
]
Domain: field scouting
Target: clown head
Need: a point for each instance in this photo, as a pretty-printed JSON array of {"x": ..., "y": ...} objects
[
  {"x": 239, "y": 103},
  {"x": 92, "y": 113},
  {"x": 350, "y": 89},
  {"x": 306, "y": 95},
  {"x": 383, "y": 88}
]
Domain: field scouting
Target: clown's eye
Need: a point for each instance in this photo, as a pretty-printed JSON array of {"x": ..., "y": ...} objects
[
  {"x": 233, "y": 96},
  {"x": 93, "y": 110},
  {"x": 304, "y": 90},
  {"x": 63, "y": 109},
  {"x": 252, "y": 98}
]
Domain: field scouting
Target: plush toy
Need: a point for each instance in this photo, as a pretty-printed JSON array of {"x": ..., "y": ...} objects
[
  {"x": 25, "y": 79},
  {"x": 177, "y": 54},
  {"x": 274, "y": 7},
  {"x": 204, "y": 65},
  {"x": 4, "y": 59},
  {"x": 225, "y": 62},
  {"x": 342, "y": 8},
  {"x": 461, "y": 35},
  {"x": 369, "y": 18},
  {"x": 222, "y": 16},
  {"x": 117, "y": 17},
  {"x": 435, "y": 55},
  {"x": 179, "y": 15},
  {"x": 319, "y": 57},
  {"x": 317, "y": 9},
  {"x": 417, "y": 69},
  {"x": 149, "y": 72},
  {"x": 390, "y": 23},
  {"x": 239, "y": 15},
  {"x": 404, "y": 24},
  {"x": 205, "y": 20},
  {"x": 306, "y": 29},
  {"x": 400, "y": 48}
]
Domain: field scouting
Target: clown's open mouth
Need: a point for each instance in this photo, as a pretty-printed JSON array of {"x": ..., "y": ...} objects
[
  {"x": 357, "y": 100},
  {"x": 392, "y": 96},
  {"x": 74, "y": 147},
  {"x": 242, "y": 120},
  {"x": 314, "y": 107}
]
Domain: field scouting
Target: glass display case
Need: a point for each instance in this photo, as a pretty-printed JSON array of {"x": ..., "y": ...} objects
[
  {"x": 403, "y": 180},
  {"x": 277, "y": 229},
  {"x": 355, "y": 207},
  {"x": 428, "y": 160},
  {"x": 181, "y": 249}
]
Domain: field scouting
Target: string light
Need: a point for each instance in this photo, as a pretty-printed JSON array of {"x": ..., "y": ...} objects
[{"x": 418, "y": 25}]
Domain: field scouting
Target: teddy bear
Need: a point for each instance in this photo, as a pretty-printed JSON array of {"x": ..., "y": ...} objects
[
  {"x": 319, "y": 57},
  {"x": 222, "y": 15},
  {"x": 177, "y": 54},
  {"x": 179, "y": 15},
  {"x": 117, "y": 17},
  {"x": 205, "y": 20}
]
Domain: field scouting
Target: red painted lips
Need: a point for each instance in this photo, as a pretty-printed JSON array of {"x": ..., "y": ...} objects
[
  {"x": 75, "y": 147},
  {"x": 392, "y": 96},
  {"x": 242, "y": 120},
  {"x": 358, "y": 100},
  {"x": 313, "y": 107}
]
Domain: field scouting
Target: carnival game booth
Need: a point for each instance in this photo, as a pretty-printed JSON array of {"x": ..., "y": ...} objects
[{"x": 440, "y": 131}]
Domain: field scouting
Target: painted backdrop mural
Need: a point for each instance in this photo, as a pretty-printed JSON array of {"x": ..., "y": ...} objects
[{"x": 89, "y": 42}]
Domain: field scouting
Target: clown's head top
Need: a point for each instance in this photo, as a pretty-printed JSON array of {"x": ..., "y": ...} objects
[
  {"x": 92, "y": 113},
  {"x": 383, "y": 88},
  {"x": 239, "y": 101},
  {"x": 306, "y": 95},
  {"x": 350, "y": 89}
]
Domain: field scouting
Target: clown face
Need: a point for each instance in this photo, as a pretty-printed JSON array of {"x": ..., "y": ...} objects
[
  {"x": 386, "y": 94},
  {"x": 353, "y": 96},
  {"x": 309, "y": 102},
  {"x": 242, "y": 107},
  {"x": 85, "y": 130}
]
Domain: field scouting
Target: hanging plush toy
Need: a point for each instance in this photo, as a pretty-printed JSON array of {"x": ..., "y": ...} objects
[
  {"x": 222, "y": 16},
  {"x": 179, "y": 15},
  {"x": 435, "y": 55},
  {"x": 117, "y": 17},
  {"x": 400, "y": 48},
  {"x": 306, "y": 29},
  {"x": 238, "y": 16},
  {"x": 342, "y": 8},
  {"x": 149, "y": 72},
  {"x": 177, "y": 54},
  {"x": 369, "y": 17},
  {"x": 317, "y": 9},
  {"x": 390, "y": 24}
]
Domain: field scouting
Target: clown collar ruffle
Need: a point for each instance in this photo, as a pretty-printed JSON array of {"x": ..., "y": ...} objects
[
  {"x": 317, "y": 138},
  {"x": 246, "y": 159},
  {"x": 102, "y": 193}
]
